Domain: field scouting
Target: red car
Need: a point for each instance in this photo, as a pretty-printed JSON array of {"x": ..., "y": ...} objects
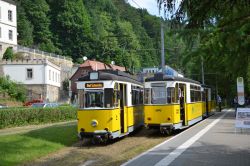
[{"x": 29, "y": 103}]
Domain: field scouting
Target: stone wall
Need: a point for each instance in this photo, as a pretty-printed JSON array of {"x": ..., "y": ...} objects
[{"x": 47, "y": 93}]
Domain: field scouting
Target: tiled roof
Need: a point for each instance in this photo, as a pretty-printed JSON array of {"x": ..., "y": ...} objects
[
  {"x": 120, "y": 68},
  {"x": 96, "y": 65}
]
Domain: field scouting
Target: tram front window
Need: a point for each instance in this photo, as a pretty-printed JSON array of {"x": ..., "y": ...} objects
[
  {"x": 159, "y": 95},
  {"x": 94, "y": 99}
]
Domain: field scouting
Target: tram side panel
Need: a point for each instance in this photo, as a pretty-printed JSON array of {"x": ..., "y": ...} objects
[
  {"x": 156, "y": 115},
  {"x": 194, "y": 112},
  {"x": 194, "y": 105},
  {"x": 135, "y": 107}
]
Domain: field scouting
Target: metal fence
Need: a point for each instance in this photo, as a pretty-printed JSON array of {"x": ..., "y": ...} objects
[{"x": 43, "y": 53}]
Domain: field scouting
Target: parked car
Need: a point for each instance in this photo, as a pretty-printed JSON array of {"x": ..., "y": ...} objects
[
  {"x": 44, "y": 105},
  {"x": 3, "y": 106},
  {"x": 29, "y": 103}
]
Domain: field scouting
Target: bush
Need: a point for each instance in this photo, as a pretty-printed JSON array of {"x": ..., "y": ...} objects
[
  {"x": 12, "y": 117},
  {"x": 8, "y": 53}
]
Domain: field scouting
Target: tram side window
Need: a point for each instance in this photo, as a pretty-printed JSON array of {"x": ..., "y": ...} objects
[
  {"x": 137, "y": 95},
  {"x": 108, "y": 99},
  {"x": 192, "y": 96},
  {"x": 81, "y": 98},
  {"x": 94, "y": 99},
  {"x": 203, "y": 96},
  {"x": 195, "y": 95},
  {"x": 147, "y": 96},
  {"x": 171, "y": 95},
  {"x": 116, "y": 96}
]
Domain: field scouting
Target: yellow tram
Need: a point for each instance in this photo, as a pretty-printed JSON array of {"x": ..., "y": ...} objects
[
  {"x": 110, "y": 105},
  {"x": 172, "y": 103}
]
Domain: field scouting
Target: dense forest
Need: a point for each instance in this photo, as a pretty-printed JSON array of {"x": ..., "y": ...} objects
[
  {"x": 111, "y": 30},
  {"x": 107, "y": 30}
]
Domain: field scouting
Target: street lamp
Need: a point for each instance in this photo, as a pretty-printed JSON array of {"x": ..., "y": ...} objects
[{"x": 85, "y": 58}]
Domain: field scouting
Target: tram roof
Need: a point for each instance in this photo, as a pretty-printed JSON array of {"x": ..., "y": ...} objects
[
  {"x": 161, "y": 77},
  {"x": 112, "y": 75}
]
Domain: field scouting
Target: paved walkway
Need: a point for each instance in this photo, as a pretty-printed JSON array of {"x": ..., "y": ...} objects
[
  {"x": 25, "y": 129},
  {"x": 212, "y": 142}
]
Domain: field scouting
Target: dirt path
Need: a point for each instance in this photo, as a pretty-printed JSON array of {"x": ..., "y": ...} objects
[
  {"x": 103, "y": 155},
  {"x": 25, "y": 129}
]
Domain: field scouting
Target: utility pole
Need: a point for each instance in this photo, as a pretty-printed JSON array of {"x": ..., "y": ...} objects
[
  {"x": 202, "y": 71},
  {"x": 162, "y": 49}
]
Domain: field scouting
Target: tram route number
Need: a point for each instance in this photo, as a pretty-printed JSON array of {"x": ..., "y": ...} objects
[{"x": 94, "y": 85}]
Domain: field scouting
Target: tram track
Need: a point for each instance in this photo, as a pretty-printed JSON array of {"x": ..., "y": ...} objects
[{"x": 114, "y": 153}]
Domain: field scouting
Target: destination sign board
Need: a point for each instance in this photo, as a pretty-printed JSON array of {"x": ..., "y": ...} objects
[
  {"x": 243, "y": 118},
  {"x": 94, "y": 85}
]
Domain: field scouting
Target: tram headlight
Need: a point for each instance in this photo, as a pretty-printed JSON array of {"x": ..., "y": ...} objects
[{"x": 94, "y": 123}]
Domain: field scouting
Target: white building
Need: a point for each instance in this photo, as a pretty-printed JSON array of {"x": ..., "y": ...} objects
[
  {"x": 41, "y": 77},
  {"x": 8, "y": 25}
]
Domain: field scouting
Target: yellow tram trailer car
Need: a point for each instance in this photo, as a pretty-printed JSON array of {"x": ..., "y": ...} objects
[
  {"x": 172, "y": 103},
  {"x": 110, "y": 105}
]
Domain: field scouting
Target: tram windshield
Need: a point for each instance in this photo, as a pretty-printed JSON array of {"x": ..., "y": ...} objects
[
  {"x": 94, "y": 99},
  {"x": 159, "y": 95}
]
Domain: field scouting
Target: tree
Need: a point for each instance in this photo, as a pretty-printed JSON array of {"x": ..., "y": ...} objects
[
  {"x": 8, "y": 54},
  {"x": 24, "y": 27},
  {"x": 223, "y": 27},
  {"x": 37, "y": 12},
  {"x": 71, "y": 27}
]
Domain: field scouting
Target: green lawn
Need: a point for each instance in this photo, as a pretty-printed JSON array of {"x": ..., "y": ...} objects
[{"x": 19, "y": 148}]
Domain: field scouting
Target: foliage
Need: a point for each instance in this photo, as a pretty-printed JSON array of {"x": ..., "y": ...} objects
[
  {"x": 219, "y": 32},
  {"x": 105, "y": 30},
  {"x": 26, "y": 116},
  {"x": 66, "y": 85},
  {"x": 24, "y": 27},
  {"x": 13, "y": 89},
  {"x": 37, "y": 13},
  {"x": 18, "y": 149},
  {"x": 8, "y": 54}
]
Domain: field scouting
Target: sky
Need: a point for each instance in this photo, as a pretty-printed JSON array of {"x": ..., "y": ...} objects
[{"x": 150, "y": 5}]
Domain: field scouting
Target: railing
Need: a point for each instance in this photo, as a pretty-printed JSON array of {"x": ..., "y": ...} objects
[{"x": 43, "y": 53}]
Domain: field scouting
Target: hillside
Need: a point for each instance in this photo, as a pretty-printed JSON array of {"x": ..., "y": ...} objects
[{"x": 106, "y": 30}]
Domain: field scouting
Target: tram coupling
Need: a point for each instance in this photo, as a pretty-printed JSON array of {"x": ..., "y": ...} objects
[
  {"x": 166, "y": 128},
  {"x": 97, "y": 137}
]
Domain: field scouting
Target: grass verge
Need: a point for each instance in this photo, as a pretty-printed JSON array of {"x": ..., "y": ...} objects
[{"x": 19, "y": 148}]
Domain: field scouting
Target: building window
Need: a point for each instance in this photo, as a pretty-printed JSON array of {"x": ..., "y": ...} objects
[
  {"x": 0, "y": 31},
  {"x": 29, "y": 73},
  {"x": 56, "y": 77},
  {"x": 53, "y": 77},
  {"x": 1, "y": 48},
  {"x": 10, "y": 34},
  {"x": 49, "y": 74},
  {"x": 10, "y": 15}
]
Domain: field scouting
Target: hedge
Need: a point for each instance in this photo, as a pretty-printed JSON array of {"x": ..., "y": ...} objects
[{"x": 12, "y": 117}]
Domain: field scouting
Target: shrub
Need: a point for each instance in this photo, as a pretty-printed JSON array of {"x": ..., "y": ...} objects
[
  {"x": 12, "y": 117},
  {"x": 8, "y": 53},
  {"x": 14, "y": 90}
]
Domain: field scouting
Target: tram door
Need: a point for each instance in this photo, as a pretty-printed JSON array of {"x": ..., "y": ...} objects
[
  {"x": 123, "y": 118},
  {"x": 182, "y": 95},
  {"x": 206, "y": 99}
]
